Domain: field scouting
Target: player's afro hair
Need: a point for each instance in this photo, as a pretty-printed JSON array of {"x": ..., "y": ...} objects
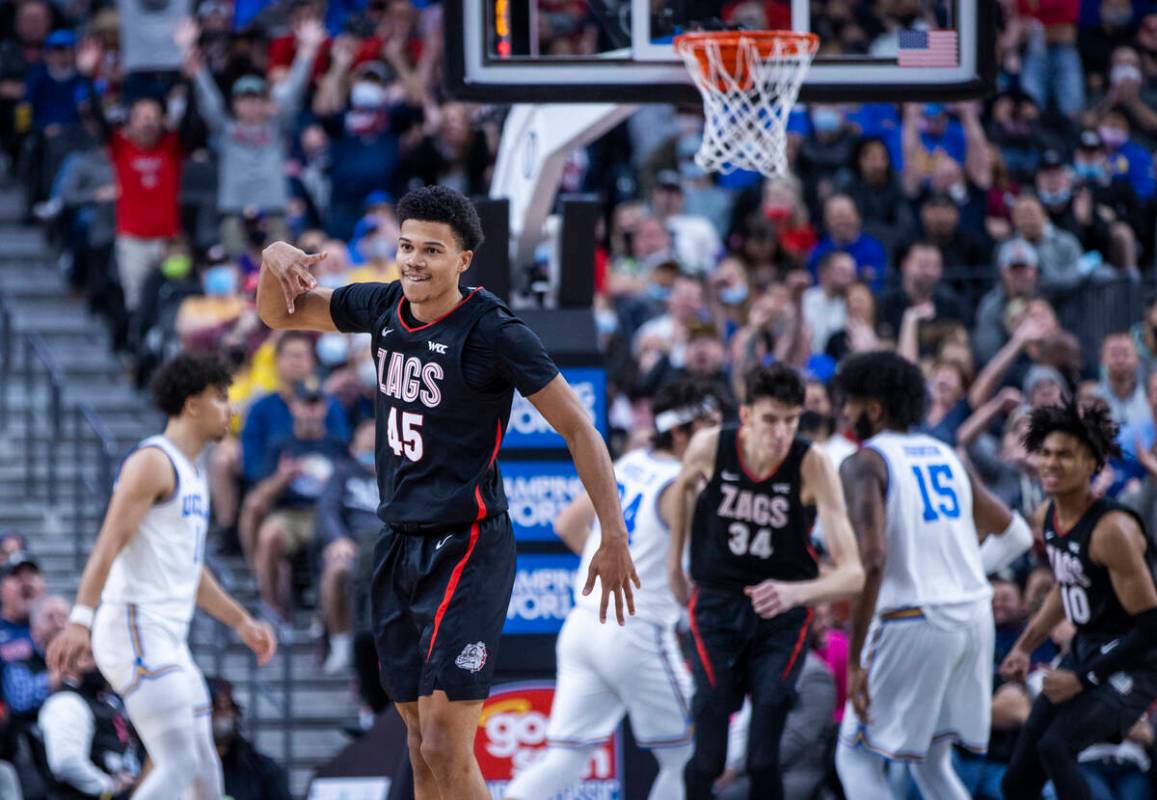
[
  {"x": 443, "y": 204},
  {"x": 1091, "y": 423},
  {"x": 777, "y": 381},
  {"x": 892, "y": 380},
  {"x": 186, "y": 375}
]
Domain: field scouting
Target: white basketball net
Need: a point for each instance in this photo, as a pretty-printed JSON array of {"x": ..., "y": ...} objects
[{"x": 746, "y": 118}]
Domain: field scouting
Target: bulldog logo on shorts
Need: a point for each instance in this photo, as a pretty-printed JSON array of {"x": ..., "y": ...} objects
[{"x": 472, "y": 658}]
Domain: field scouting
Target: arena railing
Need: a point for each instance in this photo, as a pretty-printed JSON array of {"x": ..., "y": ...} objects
[{"x": 89, "y": 487}]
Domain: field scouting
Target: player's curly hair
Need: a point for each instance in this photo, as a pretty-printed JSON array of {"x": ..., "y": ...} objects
[
  {"x": 1091, "y": 423},
  {"x": 443, "y": 204},
  {"x": 777, "y": 381},
  {"x": 892, "y": 380},
  {"x": 185, "y": 375}
]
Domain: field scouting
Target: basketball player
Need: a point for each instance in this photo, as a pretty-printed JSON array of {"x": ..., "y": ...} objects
[
  {"x": 925, "y": 678},
  {"x": 147, "y": 571},
  {"x": 1104, "y": 568},
  {"x": 754, "y": 571},
  {"x": 448, "y": 360},
  {"x": 641, "y": 673}
]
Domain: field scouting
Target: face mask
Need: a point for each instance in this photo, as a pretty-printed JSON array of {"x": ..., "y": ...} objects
[
  {"x": 367, "y": 94},
  {"x": 657, "y": 292},
  {"x": 331, "y": 280},
  {"x": 332, "y": 349},
  {"x": 368, "y": 374},
  {"x": 1116, "y": 17},
  {"x": 1113, "y": 137},
  {"x": 224, "y": 729},
  {"x": 815, "y": 421},
  {"x": 176, "y": 267},
  {"x": 1123, "y": 73},
  {"x": 958, "y": 192},
  {"x": 366, "y": 458},
  {"x": 220, "y": 281},
  {"x": 733, "y": 295},
  {"x": 606, "y": 321},
  {"x": 1057, "y": 198},
  {"x": 827, "y": 120},
  {"x": 376, "y": 249},
  {"x": 1089, "y": 171}
]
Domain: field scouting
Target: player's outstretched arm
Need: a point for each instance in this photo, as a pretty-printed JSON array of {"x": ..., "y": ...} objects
[
  {"x": 1004, "y": 535},
  {"x": 1016, "y": 663},
  {"x": 146, "y": 477},
  {"x": 287, "y": 293},
  {"x": 771, "y": 598},
  {"x": 698, "y": 463},
  {"x": 865, "y": 480},
  {"x": 216, "y": 602},
  {"x": 611, "y": 564},
  {"x": 573, "y": 524}
]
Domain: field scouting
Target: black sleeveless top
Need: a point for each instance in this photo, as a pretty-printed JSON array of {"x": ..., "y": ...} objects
[
  {"x": 113, "y": 746},
  {"x": 747, "y": 530},
  {"x": 1087, "y": 592}
]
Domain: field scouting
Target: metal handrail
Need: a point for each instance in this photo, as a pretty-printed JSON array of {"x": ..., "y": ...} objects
[
  {"x": 88, "y": 427},
  {"x": 6, "y": 365},
  {"x": 36, "y": 353}
]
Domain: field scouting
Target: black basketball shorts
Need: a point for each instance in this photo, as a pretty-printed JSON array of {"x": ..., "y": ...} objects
[{"x": 439, "y": 602}]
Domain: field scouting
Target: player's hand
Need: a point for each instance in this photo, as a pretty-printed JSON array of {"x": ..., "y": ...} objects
[
  {"x": 291, "y": 268},
  {"x": 680, "y": 585},
  {"x": 68, "y": 647},
  {"x": 1061, "y": 685},
  {"x": 858, "y": 692},
  {"x": 612, "y": 565},
  {"x": 260, "y": 638},
  {"x": 1015, "y": 666},
  {"x": 772, "y": 598}
]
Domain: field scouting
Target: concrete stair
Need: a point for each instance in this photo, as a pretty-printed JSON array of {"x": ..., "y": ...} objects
[{"x": 293, "y": 712}]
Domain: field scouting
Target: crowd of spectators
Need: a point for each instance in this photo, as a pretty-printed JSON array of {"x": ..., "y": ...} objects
[{"x": 1006, "y": 245}]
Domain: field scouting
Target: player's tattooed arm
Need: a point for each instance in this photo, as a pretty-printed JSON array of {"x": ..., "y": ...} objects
[
  {"x": 573, "y": 524},
  {"x": 217, "y": 603},
  {"x": 287, "y": 293},
  {"x": 698, "y": 464},
  {"x": 611, "y": 564},
  {"x": 821, "y": 484},
  {"x": 146, "y": 477},
  {"x": 865, "y": 480}
]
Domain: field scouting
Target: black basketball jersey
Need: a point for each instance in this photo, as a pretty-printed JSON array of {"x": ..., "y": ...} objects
[
  {"x": 746, "y": 530},
  {"x": 1087, "y": 592},
  {"x": 438, "y": 435}
]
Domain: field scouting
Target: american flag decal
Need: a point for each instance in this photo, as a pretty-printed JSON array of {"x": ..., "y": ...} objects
[{"x": 928, "y": 49}]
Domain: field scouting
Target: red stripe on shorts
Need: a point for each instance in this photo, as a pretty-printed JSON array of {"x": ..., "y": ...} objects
[
  {"x": 700, "y": 647},
  {"x": 798, "y": 645},
  {"x": 456, "y": 575}
]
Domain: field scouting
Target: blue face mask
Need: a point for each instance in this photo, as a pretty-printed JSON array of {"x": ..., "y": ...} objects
[
  {"x": 332, "y": 349},
  {"x": 733, "y": 295},
  {"x": 332, "y": 280},
  {"x": 606, "y": 321},
  {"x": 657, "y": 292},
  {"x": 366, "y": 458},
  {"x": 1057, "y": 198},
  {"x": 1089, "y": 171},
  {"x": 827, "y": 120},
  {"x": 219, "y": 281}
]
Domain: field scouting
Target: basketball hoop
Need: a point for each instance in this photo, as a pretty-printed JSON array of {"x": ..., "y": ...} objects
[{"x": 749, "y": 81}]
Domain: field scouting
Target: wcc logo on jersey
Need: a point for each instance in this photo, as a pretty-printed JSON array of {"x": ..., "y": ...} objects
[{"x": 512, "y": 735}]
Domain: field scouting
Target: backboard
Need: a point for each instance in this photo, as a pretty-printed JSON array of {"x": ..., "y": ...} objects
[{"x": 619, "y": 51}]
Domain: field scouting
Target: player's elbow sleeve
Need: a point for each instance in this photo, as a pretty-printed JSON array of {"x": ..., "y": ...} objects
[{"x": 999, "y": 551}]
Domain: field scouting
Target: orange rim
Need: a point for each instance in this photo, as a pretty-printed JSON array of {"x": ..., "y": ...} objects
[{"x": 767, "y": 44}]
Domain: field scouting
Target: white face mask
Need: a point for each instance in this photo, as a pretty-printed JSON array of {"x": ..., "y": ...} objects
[
  {"x": 368, "y": 374},
  {"x": 367, "y": 95}
]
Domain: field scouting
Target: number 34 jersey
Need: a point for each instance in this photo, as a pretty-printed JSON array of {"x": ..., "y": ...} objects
[
  {"x": 749, "y": 528},
  {"x": 933, "y": 550}
]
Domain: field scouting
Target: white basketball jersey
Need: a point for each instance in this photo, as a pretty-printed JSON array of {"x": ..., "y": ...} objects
[
  {"x": 642, "y": 477},
  {"x": 160, "y": 568},
  {"x": 933, "y": 552}
]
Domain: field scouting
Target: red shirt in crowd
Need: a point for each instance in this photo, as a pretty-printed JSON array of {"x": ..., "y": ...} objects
[
  {"x": 1050, "y": 12},
  {"x": 149, "y": 181}
]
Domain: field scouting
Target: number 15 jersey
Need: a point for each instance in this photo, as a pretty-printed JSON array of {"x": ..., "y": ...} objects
[{"x": 933, "y": 551}]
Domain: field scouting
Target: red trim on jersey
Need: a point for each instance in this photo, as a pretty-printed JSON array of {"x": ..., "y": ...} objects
[
  {"x": 402, "y": 318},
  {"x": 700, "y": 647},
  {"x": 497, "y": 446},
  {"x": 456, "y": 575},
  {"x": 751, "y": 476},
  {"x": 798, "y": 644},
  {"x": 1057, "y": 525}
]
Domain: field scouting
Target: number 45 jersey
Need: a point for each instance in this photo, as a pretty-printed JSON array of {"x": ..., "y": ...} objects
[{"x": 933, "y": 550}]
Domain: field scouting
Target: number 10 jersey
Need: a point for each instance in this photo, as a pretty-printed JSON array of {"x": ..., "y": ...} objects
[{"x": 933, "y": 549}]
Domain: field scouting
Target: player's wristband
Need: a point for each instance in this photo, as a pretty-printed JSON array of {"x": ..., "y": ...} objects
[{"x": 82, "y": 615}]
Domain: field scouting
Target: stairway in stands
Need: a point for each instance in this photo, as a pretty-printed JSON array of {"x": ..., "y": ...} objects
[{"x": 296, "y": 713}]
